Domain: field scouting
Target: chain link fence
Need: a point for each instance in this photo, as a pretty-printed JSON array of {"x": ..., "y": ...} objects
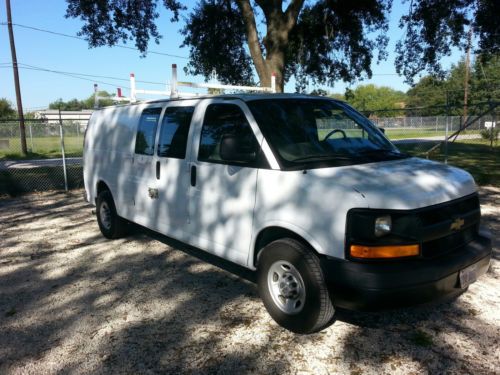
[
  {"x": 453, "y": 139},
  {"x": 441, "y": 136},
  {"x": 54, "y": 159}
]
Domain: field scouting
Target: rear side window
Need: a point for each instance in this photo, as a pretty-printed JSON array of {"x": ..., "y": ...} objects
[
  {"x": 174, "y": 132},
  {"x": 221, "y": 119},
  {"x": 146, "y": 131}
]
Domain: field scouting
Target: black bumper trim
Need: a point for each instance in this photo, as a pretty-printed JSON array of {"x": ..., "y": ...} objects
[{"x": 370, "y": 286}]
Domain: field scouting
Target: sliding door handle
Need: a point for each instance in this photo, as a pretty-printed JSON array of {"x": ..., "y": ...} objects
[
  {"x": 158, "y": 170},
  {"x": 193, "y": 175}
]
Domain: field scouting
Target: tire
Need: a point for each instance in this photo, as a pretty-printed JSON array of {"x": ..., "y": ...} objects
[
  {"x": 307, "y": 307},
  {"x": 111, "y": 225}
]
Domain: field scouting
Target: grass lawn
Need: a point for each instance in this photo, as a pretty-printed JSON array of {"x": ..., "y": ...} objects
[
  {"x": 43, "y": 148},
  {"x": 475, "y": 156},
  {"x": 394, "y": 134}
]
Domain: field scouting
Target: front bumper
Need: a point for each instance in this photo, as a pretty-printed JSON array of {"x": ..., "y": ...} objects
[{"x": 374, "y": 286}]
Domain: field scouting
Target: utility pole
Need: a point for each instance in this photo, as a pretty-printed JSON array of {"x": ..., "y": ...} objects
[
  {"x": 466, "y": 82},
  {"x": 22, "y": 129}
]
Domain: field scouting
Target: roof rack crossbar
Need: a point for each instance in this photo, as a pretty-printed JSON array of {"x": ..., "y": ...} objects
[{"x": 171, "y": 90}]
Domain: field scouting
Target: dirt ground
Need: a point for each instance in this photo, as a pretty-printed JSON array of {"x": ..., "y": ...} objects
[{"x": 74, "y": 302}]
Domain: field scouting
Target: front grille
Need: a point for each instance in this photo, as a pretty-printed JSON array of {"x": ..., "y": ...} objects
[
  {"x": 443, "y": 212},
  {"x": 444, "y": 245},
  {"x": 438, "y": 236}
]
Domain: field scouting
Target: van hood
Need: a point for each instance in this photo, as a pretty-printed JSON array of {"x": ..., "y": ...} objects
[{"x": 401, "y": 184}]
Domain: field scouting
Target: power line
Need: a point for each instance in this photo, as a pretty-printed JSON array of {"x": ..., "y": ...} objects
[
  {"x": 85, "y": 40},
  {"x": 81, "y": 75},
  {"x": 72, "y": 75}
]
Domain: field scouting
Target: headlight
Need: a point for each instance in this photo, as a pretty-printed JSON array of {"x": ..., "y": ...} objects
[{"x": 383, "y": 225}]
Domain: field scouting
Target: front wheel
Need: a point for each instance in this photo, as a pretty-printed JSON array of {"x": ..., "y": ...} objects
[
  {"x": 111, "y": 225},
  {"x": 292, "y": 287}
]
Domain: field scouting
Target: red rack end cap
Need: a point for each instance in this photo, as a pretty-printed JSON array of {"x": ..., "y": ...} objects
[
  {"x": 274, "y": 74},
  {"x": 174, "y": 65},
  {"x": 132, "y": 74}
]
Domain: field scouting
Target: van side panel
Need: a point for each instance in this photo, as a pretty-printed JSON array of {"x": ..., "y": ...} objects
[
  {"x": 313, "y": 208},
  {"x": 109, "y": 153}
]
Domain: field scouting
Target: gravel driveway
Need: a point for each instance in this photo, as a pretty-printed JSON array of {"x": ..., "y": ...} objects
[{"x": 74, "y": 302}]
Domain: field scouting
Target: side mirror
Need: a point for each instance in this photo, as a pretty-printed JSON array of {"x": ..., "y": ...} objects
[
  {"x": 382, "y": 130},
  {"x": 237, "y": 149}
]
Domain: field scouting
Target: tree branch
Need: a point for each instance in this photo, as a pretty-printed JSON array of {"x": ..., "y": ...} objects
[
  {"x": 252, "y": 37},
  {"x": 292, "y": 13}
]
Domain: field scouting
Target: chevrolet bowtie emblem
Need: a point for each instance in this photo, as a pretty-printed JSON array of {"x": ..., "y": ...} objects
[{"x": 457, "y": 224}]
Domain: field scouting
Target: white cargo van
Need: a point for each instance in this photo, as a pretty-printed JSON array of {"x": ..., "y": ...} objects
[{"x": 304, "y": 190}]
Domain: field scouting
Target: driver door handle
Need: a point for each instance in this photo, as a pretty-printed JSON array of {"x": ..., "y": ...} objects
[{"x": 193, "y": 175}]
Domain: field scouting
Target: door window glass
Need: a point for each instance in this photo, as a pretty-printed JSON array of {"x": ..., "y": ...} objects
[
  {"x": 146, "y": 131},
  {"x": 174, "y": 132},
  {"x": 222, "y": 119}
]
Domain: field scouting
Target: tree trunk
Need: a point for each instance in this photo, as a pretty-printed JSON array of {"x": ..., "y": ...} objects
[
  {"x": 274, "y": 64},
  {"x": 279, "y": 26}
]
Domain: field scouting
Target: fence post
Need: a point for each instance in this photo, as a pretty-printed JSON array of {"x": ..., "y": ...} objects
[
  {"x": 62, "y": 152},
  {"x": 492, "y": 129},
  {"x": 31, "y": 139},
  {"x": 446, "y": 142}
]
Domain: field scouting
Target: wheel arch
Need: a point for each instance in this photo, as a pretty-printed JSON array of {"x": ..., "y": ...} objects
[
  {"x": 101, "y": 186},
  {"x": 275, "y": 232}
]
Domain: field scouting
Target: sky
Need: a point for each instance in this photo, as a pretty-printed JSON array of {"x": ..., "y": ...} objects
[{"x": 53, "y": 52}]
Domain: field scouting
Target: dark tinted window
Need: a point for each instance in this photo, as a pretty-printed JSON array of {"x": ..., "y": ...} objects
[
  {"x": 221, "y": 119},
  {"x": 146, "y": 131},
  {"x": 174, "y": 132}
]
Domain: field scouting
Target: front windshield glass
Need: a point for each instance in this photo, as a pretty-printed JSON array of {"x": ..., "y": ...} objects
[{"x": 320, "y": 132}]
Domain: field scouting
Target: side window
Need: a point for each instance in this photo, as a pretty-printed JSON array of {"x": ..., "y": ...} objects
[
  {"x": 146, "y": 131},
  {"x": 221, "y": 119},
  {"x": 174, "y": 132}
]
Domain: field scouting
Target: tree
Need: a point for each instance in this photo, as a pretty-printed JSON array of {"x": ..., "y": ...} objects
[
  {"x": 223, "y": 35},
  {"x": 486, "y": 79},
  {"x": 78, "y": 105},
  {"x": 322, "y": 41},
  {"x": 438, "y": 95},
  {"x": 6, "y": 110},
  {"x": 429, "y": 94},
  {"x": 376, "y": 99},
  {"x": 434, "y": 27}
]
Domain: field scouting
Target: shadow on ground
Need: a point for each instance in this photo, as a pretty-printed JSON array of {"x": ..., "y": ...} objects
[{"x": 73, "y": 302}]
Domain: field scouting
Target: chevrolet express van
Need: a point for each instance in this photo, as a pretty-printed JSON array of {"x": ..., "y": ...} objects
[{"x": 304, "y": 190}]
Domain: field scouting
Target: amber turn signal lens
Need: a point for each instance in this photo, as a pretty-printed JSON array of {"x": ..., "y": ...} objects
[{"x": 375, "y": 252}]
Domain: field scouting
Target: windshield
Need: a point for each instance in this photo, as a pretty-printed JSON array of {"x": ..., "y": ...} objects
[{"x": 320, "y": 132}]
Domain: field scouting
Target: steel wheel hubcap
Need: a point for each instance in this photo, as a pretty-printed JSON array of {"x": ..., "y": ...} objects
[
  {"x": 286, "y": 287},
  {"x": 105, "y": 214}
]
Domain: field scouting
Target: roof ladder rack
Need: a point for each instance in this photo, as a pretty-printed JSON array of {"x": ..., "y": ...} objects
[{"x": 171, "y": 90}]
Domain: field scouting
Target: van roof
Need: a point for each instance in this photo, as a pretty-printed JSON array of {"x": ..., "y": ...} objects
[{"x": 244, "y": 97}]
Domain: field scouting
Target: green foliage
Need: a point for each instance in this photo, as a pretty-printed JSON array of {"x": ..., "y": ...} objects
[
  {"x": 490, "y": 134},
  {"x": 337, "y": 47},
  {"x": 434, "y": 27},
  {"x": 436, "y": 93},
  {"x": 376, "y": 98},
  {"x": 208, "y": 26},
  {"x": 78, "y": 105},
  {"x": 319, "y": 92},
  {"x": 322, "y": 41},
  {"x": 430, "y": 91},
  {"x": 108, "y": 22},
  {"x": 6, "y": 110},
  {"x": 485, "y": 78}
]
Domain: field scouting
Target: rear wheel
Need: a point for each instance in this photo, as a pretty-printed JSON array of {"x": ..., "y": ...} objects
[
  {"x": 292, "y": 287},
  {"x": 110, "y": 224}
]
